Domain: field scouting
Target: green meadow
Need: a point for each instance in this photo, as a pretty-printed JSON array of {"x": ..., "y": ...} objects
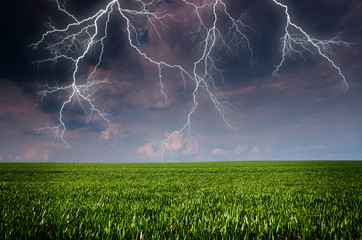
[{"x": 221, "y": 200}]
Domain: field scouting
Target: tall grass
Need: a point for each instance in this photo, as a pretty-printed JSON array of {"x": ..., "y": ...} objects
[{"x": 229, "y": 200}]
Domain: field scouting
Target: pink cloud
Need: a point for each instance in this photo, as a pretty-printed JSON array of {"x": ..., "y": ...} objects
[
  {"x": 190, "y": 147},
  {"x": 241, "y": 149},
  {"x": 177, "y": 143},
  {"x": 110, "y": 131},
  {"x": 148, "y": 151},
  {"x": 37, "y": 151},
  {"x": 217, "y": 151}
]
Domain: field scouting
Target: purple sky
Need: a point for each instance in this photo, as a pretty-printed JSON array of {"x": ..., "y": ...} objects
[{"x": 301, "y": 114}]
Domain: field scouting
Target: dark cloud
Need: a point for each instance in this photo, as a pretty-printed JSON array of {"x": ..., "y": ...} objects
[{"x": 299, "y": 112}]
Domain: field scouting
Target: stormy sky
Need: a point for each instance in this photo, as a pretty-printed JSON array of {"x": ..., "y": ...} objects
[{"x": 302, "y": 114}]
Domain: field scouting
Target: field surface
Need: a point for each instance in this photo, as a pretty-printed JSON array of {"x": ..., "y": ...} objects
[{"x": 226, "y": 200}]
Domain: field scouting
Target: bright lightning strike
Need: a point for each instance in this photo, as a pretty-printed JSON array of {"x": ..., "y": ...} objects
[
  {"x": 75, "y": 42},
  {"x": 307, "y": 44}
]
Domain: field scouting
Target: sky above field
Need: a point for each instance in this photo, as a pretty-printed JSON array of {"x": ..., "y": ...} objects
[{"x": 302, "y": 113}]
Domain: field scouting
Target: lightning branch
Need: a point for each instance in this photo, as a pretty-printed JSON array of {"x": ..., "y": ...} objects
[{"x": 77, "y": 40}]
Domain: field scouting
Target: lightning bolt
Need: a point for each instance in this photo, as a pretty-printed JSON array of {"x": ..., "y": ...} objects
[
  {"x": 306, "y": 43},
  {"x": 76, "y": 40}
]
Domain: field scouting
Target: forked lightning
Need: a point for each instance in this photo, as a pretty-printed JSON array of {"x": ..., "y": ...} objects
[{"x": 78, "y": 39}]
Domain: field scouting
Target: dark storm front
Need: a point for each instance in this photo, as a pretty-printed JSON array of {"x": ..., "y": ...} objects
[{"x": 189, "y": 47}]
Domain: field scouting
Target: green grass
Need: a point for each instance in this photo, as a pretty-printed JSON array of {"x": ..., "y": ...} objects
[{"x": 228, "y": 200}]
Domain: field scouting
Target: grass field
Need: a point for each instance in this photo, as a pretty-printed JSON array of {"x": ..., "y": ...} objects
[{"x": 227, "y": 200}]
